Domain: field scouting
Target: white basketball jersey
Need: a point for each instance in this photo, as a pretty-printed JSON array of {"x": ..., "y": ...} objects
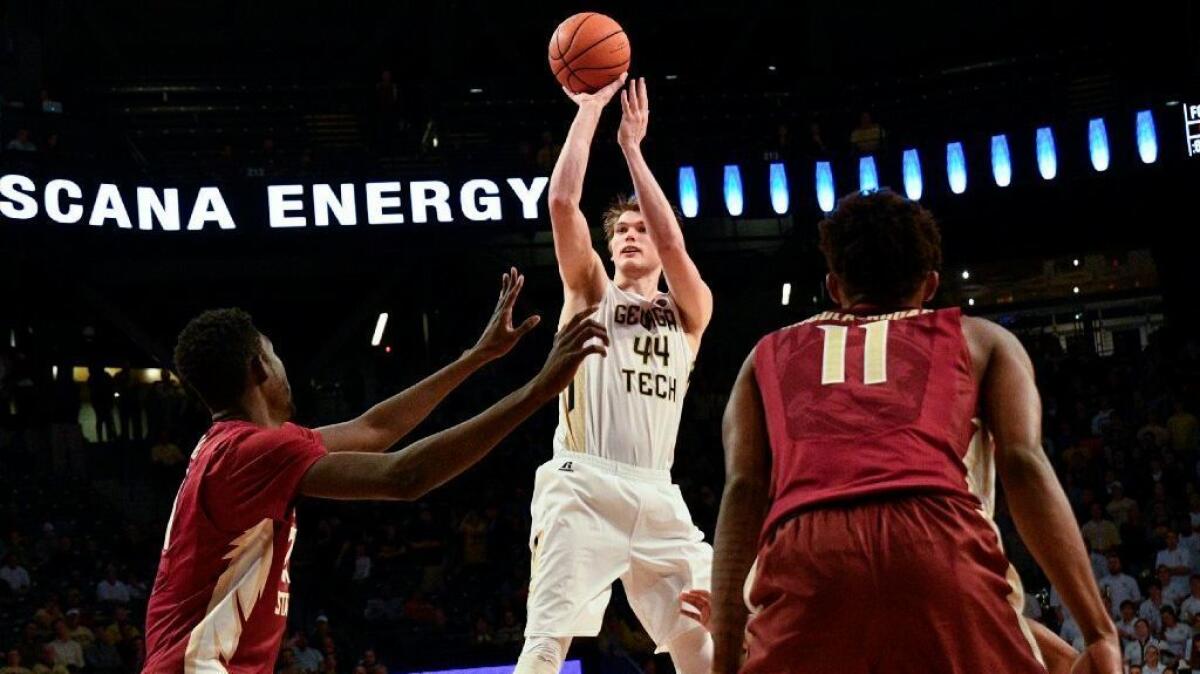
[{"x": 626, "y": 406}]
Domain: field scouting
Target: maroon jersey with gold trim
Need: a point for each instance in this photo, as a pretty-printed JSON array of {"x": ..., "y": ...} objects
[{"x": 864, "y": 405}]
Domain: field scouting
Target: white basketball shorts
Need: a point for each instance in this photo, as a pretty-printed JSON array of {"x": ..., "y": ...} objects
[{"x": 596, "y": 521}]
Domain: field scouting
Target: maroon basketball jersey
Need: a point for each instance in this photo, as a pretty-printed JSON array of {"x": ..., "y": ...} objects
[
  {"x": 220, "y": 600},
  {"x": 863, "y": 405}
]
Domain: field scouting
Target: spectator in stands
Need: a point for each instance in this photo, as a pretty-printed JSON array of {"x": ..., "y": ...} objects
[
  {"x": 122, "y": 630},
  {"x": 1191, "y": 653},
  {"x": 111, "y": 590},
  {"x": 1190, "y": 607},
  {"x": 308, "y": 659},
  {"x": 1119, "y": 505},
  {"x": 817, "y": 147},
  {"x": 1099, "y": 532},
  {"x": 371, "y": 664},
  {"x": 13, "y": 664},
  {"x": 1098, "y": 559},
  {"x": 15, "y": 575},
  {"x": 474, "y": 530},
  {"x": 100, "y": 389},
  {"x": 22, "y": 142},
  {"x": 1135, "y": 651},
  {"x": 1152, "y": 664},
  {"x": 46, "y": 616},
  {"x": 1175, "y": 633},
  {"x": 1151, "y": 608},
  {"x": 1177, "y": 561},
  {"x": 1135, "y": 669},
  {"x": 162, "y": 397},
  {"x": 868, "y": 136},
  {"x": 31, "y": 643},
  {"x": 1183, "y": 428},
  {"x": 47, "y": 664},
  {"x": 481, "y": 633},
  {"x": 362, "y": 564},
  {"x": 1119, "y": 586},
  {"x": 80, "y": 633},
  {"x": 287, "y": 663},
  {"x": 427, "y": 548},
  {"x": 1127, "y": 621},
  {"x": 67, "y": 651},
  {"x": 321, "y": 630},
  {"x": 129, "y": 403},
  {"x": 509, "y": 631},
  {"x": 102, "y": 655},
  {"x": 1154, "y": 434}
]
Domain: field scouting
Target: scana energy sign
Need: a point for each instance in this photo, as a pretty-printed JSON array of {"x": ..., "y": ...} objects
[{"x": 288, "y": 206}]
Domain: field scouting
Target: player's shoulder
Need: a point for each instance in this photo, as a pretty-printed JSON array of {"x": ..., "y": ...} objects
[
  {"x": 987, "y": 333},
  {"x": 286, "y": 433},
  {"x": 244, "y": 437}
]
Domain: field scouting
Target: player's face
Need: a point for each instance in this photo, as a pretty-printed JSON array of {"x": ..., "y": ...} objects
[
  {"x": 631, "y": 248},
  {"x": 276, "y": 387}
]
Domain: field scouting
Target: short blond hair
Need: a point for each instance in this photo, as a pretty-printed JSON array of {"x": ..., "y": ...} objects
[{"x": 619, "y": 206}]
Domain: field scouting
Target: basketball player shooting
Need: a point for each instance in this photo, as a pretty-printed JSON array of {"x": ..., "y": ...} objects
[
  {"x": 853, "y": 473},
  {"x": 220, "y": 600},
  {"x": 604, "y": 507}
]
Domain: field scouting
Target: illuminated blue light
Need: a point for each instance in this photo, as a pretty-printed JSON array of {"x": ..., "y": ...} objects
[
  {"x": 825, "y": 186},
  {"x": 868, "y": 177},
  {"x": 913, "y": 185},
  {"x": 1147, "y": 138},
  {"x": 1098, "y": 144},
  {"x": 1046, "y": 156},
  {"x": 780, "y": 200},
  {"x": 1001, "y": 161},
  {"x": 689, "y": 197},
  {"x": 956, "y": 167},
  {"x": 733, "y": 190}
]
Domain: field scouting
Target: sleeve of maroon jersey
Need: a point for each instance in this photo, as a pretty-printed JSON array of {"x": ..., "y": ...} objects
[{"x": 261, "y": 476}]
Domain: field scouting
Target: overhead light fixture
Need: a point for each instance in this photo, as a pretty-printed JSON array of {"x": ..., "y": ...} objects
[{"x": 380, "y": 325}]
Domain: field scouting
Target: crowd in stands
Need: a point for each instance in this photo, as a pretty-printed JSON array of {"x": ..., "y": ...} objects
[{"x": 401, "y": 587}]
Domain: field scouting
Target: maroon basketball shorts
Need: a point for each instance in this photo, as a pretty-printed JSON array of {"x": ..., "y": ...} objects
[{"x": 909, "y": 585}]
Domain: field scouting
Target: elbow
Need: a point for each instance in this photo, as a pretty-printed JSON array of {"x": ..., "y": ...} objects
[
  {"x": 562, "y": 201},
  {"x": 404, "y": 483}
]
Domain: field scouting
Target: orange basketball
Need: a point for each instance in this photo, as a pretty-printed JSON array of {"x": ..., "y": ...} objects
[{"x": 588, "y": 51}]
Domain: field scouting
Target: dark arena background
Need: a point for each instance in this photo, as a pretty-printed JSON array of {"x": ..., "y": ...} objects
[{"x": 160, "y": 159}]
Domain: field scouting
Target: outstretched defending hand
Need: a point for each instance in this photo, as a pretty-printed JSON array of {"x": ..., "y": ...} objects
[
  {"x": 635, "y": 114},
  {"x": 571, "y": 346},
  {"x": 499, "y": 336},
  {"x": 601, "y": 97}
]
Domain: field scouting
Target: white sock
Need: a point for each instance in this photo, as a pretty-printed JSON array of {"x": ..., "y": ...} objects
[
  {"x": 692, "y": 652},
  {"x": 545, "y": 655}
]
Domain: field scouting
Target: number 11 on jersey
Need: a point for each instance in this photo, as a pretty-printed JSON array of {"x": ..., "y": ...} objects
[{"x": 833, "y": 364}]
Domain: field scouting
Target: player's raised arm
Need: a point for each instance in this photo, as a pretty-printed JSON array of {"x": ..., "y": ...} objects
[
  {"x": 1038, "y": 505},
  {"x": 743, "y": 508},
  {"x": 387, "y": 422},
  {"x": 691, "y": 293},
  {"x": 428, "y": 463},
  {"x": 580, "y": 267}
]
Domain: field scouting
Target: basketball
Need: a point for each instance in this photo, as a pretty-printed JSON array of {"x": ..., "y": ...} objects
[{"x": 588, "y": 51}]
